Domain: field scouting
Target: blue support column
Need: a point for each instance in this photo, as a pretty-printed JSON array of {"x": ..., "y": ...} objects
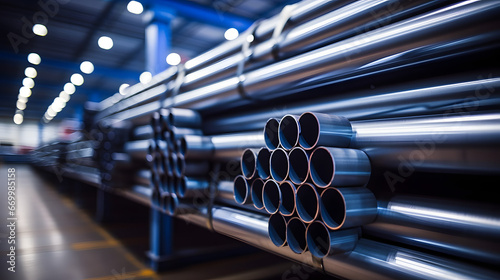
[{"x": 158, "y": 46}]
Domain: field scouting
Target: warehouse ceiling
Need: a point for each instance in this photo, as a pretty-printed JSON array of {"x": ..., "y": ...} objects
[{"x": 73, "y": 30}]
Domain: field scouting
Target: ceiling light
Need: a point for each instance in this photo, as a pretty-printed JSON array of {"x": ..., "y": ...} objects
[
  {"x": 28, "y": 82},
  {"x": 145, "y": 77},
  {"x": 21, "y": 98},
  {"x": 69, "y": 88},
  {"x": 173, "y": 59},
  {"x": 87, "y": 67},
  {"x": 250, "y": 38},
  {"x": 51, "y": 112},
  {"x": 76, "y": 79},
  {"x": 18, "y": 118},
  {"x": 20, "y": 105},
  {"x": 135, "y": 7},
  {"x": 122, "y": 88},
  {"x": 25, "y": 92},
  {"x": 58, "y": 103},
  {"x": 30, "y": 72},
  {"x": 105, "y": 42},
  {"x": 34, "y": 58},
  {"x": 40, "y": 29},
  {"x": 64, "y": 96},
  {"x": 231, "y": 34}
]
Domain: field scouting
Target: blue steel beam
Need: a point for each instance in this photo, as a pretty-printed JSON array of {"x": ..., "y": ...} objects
[
  {"x": 99, "y": 70},
  {"x": 199, "y": 13}
]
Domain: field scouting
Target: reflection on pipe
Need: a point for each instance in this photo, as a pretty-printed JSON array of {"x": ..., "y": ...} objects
[
  {"x": 248, "y": 163},
  {"x": 324, "y": 242},
  {"x": 287, "y": 206},
  {"x": 318, "y": 129},
  {"x": 277, "y": 230},
  {"x": 271, "y": 137},
  {"x": 307, "y": 203},
  {"x": 289, "y": 131},
  {"x": 279, "y": 165},
  {"x": 296, "y": 235},
  {"x": 256, "y": 193},
  {"x": 271, "y": 196},
  {"x": 263, "y": 167},
  {"x": 299, "y": 165},
  {"x": 242, "y": 190}
]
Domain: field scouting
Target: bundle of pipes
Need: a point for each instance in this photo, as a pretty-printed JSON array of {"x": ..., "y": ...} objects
[{"x": 316, "y": 197}]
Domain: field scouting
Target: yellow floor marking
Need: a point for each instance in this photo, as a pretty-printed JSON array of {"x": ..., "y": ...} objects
[
  {"x": 89, "y": 245},
  {"x": 143, "y": 273}
]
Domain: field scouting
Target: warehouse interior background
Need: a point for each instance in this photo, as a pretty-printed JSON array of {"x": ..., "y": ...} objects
[{"x": 249, "y": 139}]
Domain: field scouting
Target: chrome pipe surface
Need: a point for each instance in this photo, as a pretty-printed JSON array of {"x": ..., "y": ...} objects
[
  {"x": 178, "y": 117},
  {"x": 242, "y": 193},
  {"x": 248, "y": 163},
  {"x": 289, "y": 131},
  {"x": 374, "y": 260},
  {"x": 191, "y": 187},
  {"x": 277, "y": 228},
  {"x": 279, "y": 165},
  {"x": 256, "y": 193},
  {"x": 287, "y": 206},
  {"x": 339, "y": 167},
  {"x": 195, "y": 147},
  {"x": 323, "y": 242},
  {"x": 263, "y": 163},
  {"x": 253, "y": 229},
  {"x": 137, "y": 149},
  {"x": 307, "y": 203},
  {"x": 299, "y": 165},
  {"x": 318, "y": 129},
  {"x": 271, "y": 196},
  {"x": 271, "y": 137},
  {"x": 347, "y": 207},
  {"x": 231, "y": 146},
  {"x": 142, "y": 132},
  {"x": 296, "y": 235}
]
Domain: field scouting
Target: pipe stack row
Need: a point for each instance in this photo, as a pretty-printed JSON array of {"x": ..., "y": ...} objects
[{"x": 310, "y": 182}]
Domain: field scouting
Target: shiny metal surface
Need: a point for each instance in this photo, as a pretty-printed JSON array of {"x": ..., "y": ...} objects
[
  {"x": 191, "y": 187},
  {"x": 137, "y": 149},
  {"x": 323, "y": 242},
  {"x": 289, "y": 131},
  {"x": 318, "y": 129},
  {"x": 271, "y": 137},
  {"x": 347, "y": 207},
  {"x": 279, "y": 165},
  {"x": 277, "y": 229},
  {"x": 263, "y": 163},
  {"x": 298, "y": 160},
  {"x": 178, "y": 117},
  {"x": 339, "y": 167},
  {"x": 271, "y": 196},
  {"x": 296, "y": 235},
  {"x": 307, "y": 203}
]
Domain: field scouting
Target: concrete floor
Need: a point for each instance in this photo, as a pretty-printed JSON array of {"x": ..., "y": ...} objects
[{"x": 57, "y": 238}]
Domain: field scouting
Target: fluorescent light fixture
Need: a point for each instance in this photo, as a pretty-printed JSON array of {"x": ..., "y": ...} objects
[
  {"x": 25, "y": 92},
  {"x": 122, "y": 88},
  {"x": 87, "y": 67},
  {"x": 34, "y": 58},
  {"x": 105, "y": 42},
  {"x": 135, "y": 7},
  {"x": 30, "y": 72},
  {"x": 231, "y": 34},
  {"x": 145, "y": 77},
  {"x": 22, "y": 98},
  {"x": 76, "y": 79},
  {"x": 69, "y": 88},
  {"x": 40, "y": 29}
]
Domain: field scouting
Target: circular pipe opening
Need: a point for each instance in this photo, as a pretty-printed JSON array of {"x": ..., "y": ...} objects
[
  {"x": 164, "y": 202},
  {"x": 263, "y": 168},
  {"x": 318, "y": 239},
  {"x": 271, "y": 196},
  {"x": 309, "y": 130},
  {"x": 171, "y": 163},
  {"x": 299, "y": 165},
  {"x": 164, "y": 183},
  {"x": 240, "y": 192},
  {"x": 171, "y": 140},
  {"x": 180, "y": 187},
  {"x": 307, "y": 203},
  {"x": 333, "y": 208},
  {"x": 256, "y": 191},
  {"x": 271, "y": 137},
  {"x": 180, "y": 166},
  {"x": 287, "y": 205},
  {"x": 322, "y": 167},
  {"x": 172, "y": 204},
  {"x": 277, "y": 230},
  {"x": 288, "y": 132},
  {"x": 248, "y": 163},
  {"x": 296, "y": 235},
  {"x": 279, "y": 165},
  {"x": 182, "y": 145}
]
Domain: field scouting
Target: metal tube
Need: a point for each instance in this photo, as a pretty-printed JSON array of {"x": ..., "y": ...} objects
[
  {"x": 298, "y": 165},
  {"x": 296, "y": 235},
  {"x": 248, "y": 163},
  {"x": 318, "y": 129},
  {"x": 271, "y": 196},
  {"x": 142, "y": 132},
  {"x": 288, "y": 132},
  {"x": 263, "y": 163},
  {"x": 374, "y": 260},
  {"x": 191, "y": 187},
  {"x": 256, "y": 193},
  {"x": 271, "y": 134},
  {"x": 323, "y": 242},
  {"x": 242, "y": 190},
  {"x": 137, "y": 149},
  {"x": 196, "y": 147},
  {"x": 339, "y": 167},
  {"x": 307, "y": 203},
  {"x": 231, "y": 146},
  {"x": 277, "y": 229},
  {"x": 178, "y": 117},
  {"x": 279, "y": 165},
  {"x": 191, "y": 168},
  {"x": 347, "y": 207},
  {"x": 287, "y": 206}
]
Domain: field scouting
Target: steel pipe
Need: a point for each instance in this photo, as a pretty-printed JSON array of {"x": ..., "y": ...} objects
[
  {"x": 296, "y": 235},
  {"x": 347, "y": 207},
  {"x": 307, "y": 203},
  {"x": 279, "y": 165},
  {"x": 271, "y": 137},
  {"x": 271, "y": 196},
  {"x": 339, "y": 167},
  {"x": 318, "y": 129},
  {"x": 277, "y": 229},
  {"x": 186, "y": 118},
  {"x": 287, "y": 191},
  {"x": 191, "y": 187},
  {"x": 248, "y": 163},
  {"x": 298, "y": 165},
  {"x": 323, "y": 242},
  {"x": 263, "y": 163},
  {"x": 142, "y": 132},
  {"x": 242, "y": 193},
  {"x": 289, "y": 131},
  {"x": 256, "y": 193},
  {"x": 137, "y": 149}
]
